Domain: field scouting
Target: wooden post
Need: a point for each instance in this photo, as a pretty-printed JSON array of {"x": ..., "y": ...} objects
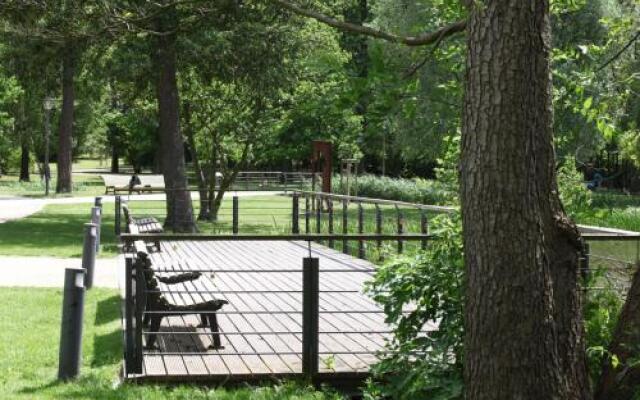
[
  {"x": 70, "y": 353},
  {"x": 235, "y": 222},
  {"x": 310, "y": 317},
  {"x": 345, "y": 225},
  {"x": 361, "y": 252},
  {"x": 330, "y": 210},
  {"x": 89, "y": 253},
  {"x": 424, "y": 227},
  {"x": 295, "y": 213},
  {"x": 118, "y": 216},
  {"x": 400, "y": 229}
]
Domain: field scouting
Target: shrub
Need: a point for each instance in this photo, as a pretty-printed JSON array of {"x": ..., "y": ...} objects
[
  {"x": 575, "y": 196},
  {"x": 431, "y": 281},
  {"x": 415, "y": 190}
]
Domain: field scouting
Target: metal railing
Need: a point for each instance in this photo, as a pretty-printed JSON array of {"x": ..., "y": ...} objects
[{"x": 273, "y": 313}]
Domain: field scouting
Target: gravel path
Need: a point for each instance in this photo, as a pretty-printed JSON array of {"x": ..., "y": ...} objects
[{"x": 49, "y": 272}]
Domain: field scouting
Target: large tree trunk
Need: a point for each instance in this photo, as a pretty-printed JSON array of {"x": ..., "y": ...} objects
[
  {"x": 524, "y": 333},
  {"x": 179, "y": 208},
  {"x": 622, "y": 381},
  {"x": 65, "y": 134}
]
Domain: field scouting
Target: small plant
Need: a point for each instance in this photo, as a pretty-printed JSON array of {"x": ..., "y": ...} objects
[
  {"x": 423, "y": 365},
  {"x": 575, "y": 196}
]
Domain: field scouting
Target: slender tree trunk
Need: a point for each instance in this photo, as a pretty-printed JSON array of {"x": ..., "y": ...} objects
[
  {"x": 523, "y": 314},
  {"x": 204, "y": 212},
  {"x": 25, "y": 162},
  {"x": 179, "y": 207},
  {"x": 622, "y": 381},
  {"x": 65, "y": 134}
]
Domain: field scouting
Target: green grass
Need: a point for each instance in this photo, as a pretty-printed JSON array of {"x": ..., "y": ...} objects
[
  {"x": 55, "y": 231},
  {"x": 29, "y": 341},
  {"x": 83, "y": 185}
]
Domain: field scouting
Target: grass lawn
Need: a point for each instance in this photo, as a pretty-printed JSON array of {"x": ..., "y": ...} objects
[
  {"x": 29, "y": 342},
  {"x": 55, "y": 231},
  {"x": 83, "y": 185}
]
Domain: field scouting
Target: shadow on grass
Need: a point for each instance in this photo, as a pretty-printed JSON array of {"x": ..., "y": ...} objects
[
  {"x": 107, "y": 310},
  {"x": 107, "y": 349},
  {"x": 51, "y": 232}
]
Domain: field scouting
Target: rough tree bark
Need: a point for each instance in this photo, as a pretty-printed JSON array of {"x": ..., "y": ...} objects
[
  {"x": 64, "y": 182},
  {"x": 622, "y": 382},
  {"x": 179, "y": 207},
  {"x": 521, "y": 250},
  {"x": 25, "y": 162}
]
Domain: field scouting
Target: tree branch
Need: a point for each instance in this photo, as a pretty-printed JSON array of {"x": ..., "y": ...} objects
[
  {"x": 619, "y": 53},
  {"x": 421, "y": 40}
]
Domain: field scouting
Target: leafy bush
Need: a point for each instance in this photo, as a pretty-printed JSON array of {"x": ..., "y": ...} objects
[
  {"x": 415, "y": 190},
  {"x": 421, "y": 366},
  {"x": 575, "y": 197}
]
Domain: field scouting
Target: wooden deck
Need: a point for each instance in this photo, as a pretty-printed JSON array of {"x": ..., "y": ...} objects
[{"x": 262, "y": 324}]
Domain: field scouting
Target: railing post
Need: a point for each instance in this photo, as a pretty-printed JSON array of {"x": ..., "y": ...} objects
[
  {"x": 361, "y": 252},
  {"x": 295, "y": 214},
  {"x": 118, "y": 215},
  {"x": 345, "y": 225},
  {"x": 379, "y": 229},
  {"x": 97, "y": 202},
  {"x": 89, "y": 253},
  {"x": 586, "y": 252},
  {"x": 129, "y": 307},
  {"x": 310, "y": 317},
  {"x": 424, "y": 227},
  {"x": 96, "y": 219},
  {"x": 330, "y": 210},
  {"x": 318, "y": 214},
  {"x": 139, "y": 310},
  {"x": 70, "y": 353},
  {"x": 400, "y": 229},
  {"x": 307, "y": 214},
  {"x": 235, "y": 215}
]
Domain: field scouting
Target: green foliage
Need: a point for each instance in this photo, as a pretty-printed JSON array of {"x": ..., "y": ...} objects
[
  {"x": 575, "y": 196},
  {"x": 416, "y": 190},
  {"x": 601, "y": 313},
  {"x": 423, "y": 366}
]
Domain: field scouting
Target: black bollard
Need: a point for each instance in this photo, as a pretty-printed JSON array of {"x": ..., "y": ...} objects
[
  {"x": 71, "y": 330},
  {"x": 96, "y": 219},
  {"x": 89, "y": 253}
]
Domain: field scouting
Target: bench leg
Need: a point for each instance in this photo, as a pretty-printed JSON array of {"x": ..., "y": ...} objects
[
  {"x": 156, "y": 320},
  {"x": 145, "y": 320},
  {"x": 215, "y": 332},
  {"x": 203, "y": 321}
]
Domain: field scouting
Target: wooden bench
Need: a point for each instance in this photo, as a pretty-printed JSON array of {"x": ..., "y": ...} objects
[
  {"x": 141, "y": 225},
  {"x": 158, "y": 305},
  {"x": 137, "y": 189}
]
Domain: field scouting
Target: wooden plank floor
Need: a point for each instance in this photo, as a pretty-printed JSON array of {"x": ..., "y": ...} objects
[{"x": 262, "y": 324}]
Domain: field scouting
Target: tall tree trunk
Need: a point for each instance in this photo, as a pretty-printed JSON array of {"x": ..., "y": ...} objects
[
  {"x": 622, "y": 381},
  {"x": 25, "y": 161},
  {"x": 179, "y": 207},
  {"x": 65, "y": 134},
  {"x": 523, "y": 314}
]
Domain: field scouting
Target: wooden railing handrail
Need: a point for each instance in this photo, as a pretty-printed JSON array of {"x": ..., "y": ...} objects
[
  {"x": 128, "y": 238},
  {"x": 442, "y": 209}
]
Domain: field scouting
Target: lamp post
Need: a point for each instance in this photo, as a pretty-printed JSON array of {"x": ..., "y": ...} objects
[{"x": 48, "y": 106}]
